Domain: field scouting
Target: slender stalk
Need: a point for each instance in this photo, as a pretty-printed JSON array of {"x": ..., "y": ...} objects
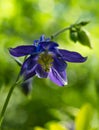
[
  {"x": 61, "y": 31},
  {"x": 7, "y": 100}
]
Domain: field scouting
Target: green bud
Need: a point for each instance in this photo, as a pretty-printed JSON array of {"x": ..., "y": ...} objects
[
  {"x": 83, "y": 38},
  {"x": 73, "y": 35}
]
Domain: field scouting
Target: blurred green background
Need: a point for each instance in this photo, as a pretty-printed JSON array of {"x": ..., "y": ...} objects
[{"x": 49, "y": 107}]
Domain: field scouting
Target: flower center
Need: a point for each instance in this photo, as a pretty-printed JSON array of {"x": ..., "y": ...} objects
[{"x": 45, "y": 60}]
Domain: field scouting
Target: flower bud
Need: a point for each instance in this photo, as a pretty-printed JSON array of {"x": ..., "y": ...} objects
[
  {"x": 26, "y": 86},
  {"x": 83, "y": 38},
  {"x": 73, "y": 35}
]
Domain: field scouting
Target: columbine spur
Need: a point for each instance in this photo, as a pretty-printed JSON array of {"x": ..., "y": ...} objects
[{"x": 44, "y": 59}]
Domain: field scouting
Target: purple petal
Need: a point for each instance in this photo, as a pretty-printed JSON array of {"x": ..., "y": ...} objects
[
  {"x": 71, "y": 56},
  {"x": 40, "y": 72},
  {"x": 42, "y": 38},
  {"x": 29, "y": 63},
  {"x": 28, "y": 67},
  {"x": 48, "y": 45},
  {"x": 59, "y": 64},
  {"x": 36, "y": 42},
  {"x": 26, "y": 86},
  {"x": 29, "y": 74},
  {"x": 58, "y": 78},
  {"x": 22, "y": 50}
]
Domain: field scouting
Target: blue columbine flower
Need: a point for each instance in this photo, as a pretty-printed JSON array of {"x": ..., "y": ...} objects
[{"x": 44, "y": 59}]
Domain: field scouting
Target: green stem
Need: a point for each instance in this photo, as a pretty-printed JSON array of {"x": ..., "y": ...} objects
[
  {"x": 61, "y": 31},
  {"x": 7, "y": 101}
]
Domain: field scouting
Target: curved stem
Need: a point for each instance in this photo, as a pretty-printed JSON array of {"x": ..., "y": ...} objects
[
  {"x": 61, "y": 31},
  {"x": 7, "y": 101}
]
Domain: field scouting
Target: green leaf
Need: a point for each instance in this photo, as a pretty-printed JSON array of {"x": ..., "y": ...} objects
[
  {"x": 73, "y": 35},
  {"x": 84, "y": 117},
  {"x": 83, "y": 38}
]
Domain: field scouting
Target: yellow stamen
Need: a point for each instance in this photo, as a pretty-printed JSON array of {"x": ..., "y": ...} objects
[{"x": 45, "y": 60}]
